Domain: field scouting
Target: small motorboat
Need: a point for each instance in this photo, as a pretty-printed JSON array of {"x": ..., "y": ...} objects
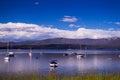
[
  {"x": 53, "y": 63},
  {"x": 11, "y": 54},
  {"x": 79, "y": 56}
]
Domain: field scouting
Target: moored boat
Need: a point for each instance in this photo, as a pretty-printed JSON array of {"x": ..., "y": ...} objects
[{"x": 53, "y": 63}]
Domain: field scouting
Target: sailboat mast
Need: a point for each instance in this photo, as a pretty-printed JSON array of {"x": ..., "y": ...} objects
[
  {"x": 85, "y": 51},
  {"x": 7, "y": 46},
  {"x": 30, "y": 50}
]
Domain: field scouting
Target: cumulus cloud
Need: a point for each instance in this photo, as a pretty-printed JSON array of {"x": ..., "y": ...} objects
[
  {"x": 24, "y": 31},
  {"x": 69, "y": 19}
]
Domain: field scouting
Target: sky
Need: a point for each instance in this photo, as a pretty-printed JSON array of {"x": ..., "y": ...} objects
[{"x": 62, "y": 18}]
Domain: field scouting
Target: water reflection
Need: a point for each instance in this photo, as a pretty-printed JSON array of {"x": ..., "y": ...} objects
[
  {"x": 39, "y": 63},
  {"x": 53, "y": 68},
  {"x": 6, "y": 60}
]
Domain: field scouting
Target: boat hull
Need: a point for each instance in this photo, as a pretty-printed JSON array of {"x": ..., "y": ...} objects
[
  {"x": 53, "y": 65},
  {"x": 11, "y": 54}
]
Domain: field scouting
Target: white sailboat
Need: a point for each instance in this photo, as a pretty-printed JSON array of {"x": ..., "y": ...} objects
[
  {"x": 80, "y": 55},
  {"x": 30, "y": 53},
  {"x": 10, "y": 53},
  {"x": 85, "y": 52},
  {"x": 7, "y": 58}
]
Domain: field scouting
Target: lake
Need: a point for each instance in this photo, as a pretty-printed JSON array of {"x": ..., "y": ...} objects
[{"x": 96, "y": 61}]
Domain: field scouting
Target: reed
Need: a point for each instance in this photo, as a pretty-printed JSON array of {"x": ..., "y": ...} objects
[{"x": 54, "y": 76}]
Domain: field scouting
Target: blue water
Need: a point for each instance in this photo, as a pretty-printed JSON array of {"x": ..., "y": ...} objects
[{"x": 96, "y": 61}]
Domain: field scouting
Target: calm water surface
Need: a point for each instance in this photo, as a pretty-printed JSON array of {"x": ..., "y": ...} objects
[{"x": 95, "y": 61}]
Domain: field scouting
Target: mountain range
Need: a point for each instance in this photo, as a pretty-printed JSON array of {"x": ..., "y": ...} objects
[{"x": 65, "y": 43}]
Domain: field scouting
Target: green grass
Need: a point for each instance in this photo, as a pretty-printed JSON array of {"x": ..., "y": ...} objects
[{"x": 54, "y": 76}]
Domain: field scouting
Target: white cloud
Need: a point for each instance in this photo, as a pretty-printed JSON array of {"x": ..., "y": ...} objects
[
  {"x": 111, "y": 29},
  {"x": 36, "y": 3},
  {"x": 23, "y": 31},
  {"x": 117, "y": 23},
  {"x": 71, "y": 25},
  {"x": 74, "y": 26},
  {"x": 69, "y": 19}
]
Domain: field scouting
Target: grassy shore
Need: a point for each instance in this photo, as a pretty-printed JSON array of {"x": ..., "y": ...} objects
[{"x": 53, "y": 76}]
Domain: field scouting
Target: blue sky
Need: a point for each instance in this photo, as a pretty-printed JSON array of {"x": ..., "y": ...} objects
[
  {"x": 90, "y": 13},
  {"x": 63, "y": 14}
]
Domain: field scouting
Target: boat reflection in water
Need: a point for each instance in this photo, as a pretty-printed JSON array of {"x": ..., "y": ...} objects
[{"x": 6, "y": 58}]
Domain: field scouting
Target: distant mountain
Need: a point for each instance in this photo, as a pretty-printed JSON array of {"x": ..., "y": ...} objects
[{"x": 65, "y": 43}]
